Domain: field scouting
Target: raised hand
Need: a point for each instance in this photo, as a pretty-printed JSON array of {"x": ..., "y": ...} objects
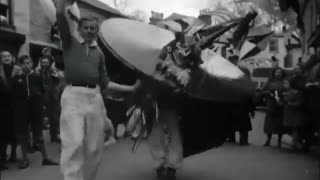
[{"x": 137, "y": 85}]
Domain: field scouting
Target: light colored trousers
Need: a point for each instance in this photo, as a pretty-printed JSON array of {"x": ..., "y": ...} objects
[
  {"x": 82, "y": 124},
  {"x": 165, "y": 140}
]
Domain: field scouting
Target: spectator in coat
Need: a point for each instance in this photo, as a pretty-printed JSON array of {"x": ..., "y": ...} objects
[
  {"x": 28, "y": 91},
  {"x": 241, "y": 115},
  {"x": 51, "y": 81},
  {"x": 312, "y": 104},
  {"x": 293, "y": 111},
  {"x": 274, "y": 116},
  {"x": 7, "y": 137}
]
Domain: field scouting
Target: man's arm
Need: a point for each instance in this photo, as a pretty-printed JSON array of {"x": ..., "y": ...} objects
[
  {"x": 119, "y": 87},
  {"x": 106, "y": 84},
  {"x": 103, "y": 75},
  {"x": 63, "y": 23}
]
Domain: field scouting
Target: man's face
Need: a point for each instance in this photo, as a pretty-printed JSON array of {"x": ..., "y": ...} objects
[
  {"x": 6, "y": 57},
  {"x": 45, "y": 63},
  {"x": 26, "y": 65},
  {"x": 88, "y": 30}
]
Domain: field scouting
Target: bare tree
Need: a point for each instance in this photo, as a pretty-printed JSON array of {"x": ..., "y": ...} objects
[
  {"x": 139, "y": 15},
  {"x": 269, "y": 11},
  {"x": 120, "y": 5}
]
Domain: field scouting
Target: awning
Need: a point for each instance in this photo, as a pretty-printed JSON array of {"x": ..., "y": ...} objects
[{"x": 11, "y": 37}]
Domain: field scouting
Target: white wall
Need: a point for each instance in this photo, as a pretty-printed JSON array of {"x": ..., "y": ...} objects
[
  {"x": 22, "y": 16},
  {"x": 22, "y": 22}
]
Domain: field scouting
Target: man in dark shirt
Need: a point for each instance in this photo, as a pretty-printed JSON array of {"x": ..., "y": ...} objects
[
  {"x": 83, "y": 116},
  {"x": 28, "y": 91}
]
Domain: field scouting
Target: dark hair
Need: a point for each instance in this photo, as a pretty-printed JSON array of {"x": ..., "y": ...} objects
[
  {"x": 245, "y": 71},
  {"x": 46, "y": 57},
  {"x": 284, "y": 74},
  {"x": 273, "y": 58},
  {"x": 87, "y": 18},
  {"x": 23, "y": 58},
  {"x": 2, "y": 51}
]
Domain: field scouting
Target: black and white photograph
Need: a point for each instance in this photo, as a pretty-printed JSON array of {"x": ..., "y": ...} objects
[{"x": 159, "y": 89}]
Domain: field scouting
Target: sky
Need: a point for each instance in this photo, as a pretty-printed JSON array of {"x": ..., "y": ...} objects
[{"x": 186, "y": 7}]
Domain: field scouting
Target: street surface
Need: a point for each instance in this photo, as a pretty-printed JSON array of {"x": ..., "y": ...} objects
[{"x": 229, "y": 162}]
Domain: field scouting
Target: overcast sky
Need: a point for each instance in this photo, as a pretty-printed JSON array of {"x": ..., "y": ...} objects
[{"x": 186, "y": 7}]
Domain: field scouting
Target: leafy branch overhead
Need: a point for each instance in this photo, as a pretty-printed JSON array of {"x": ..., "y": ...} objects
[{"x": 269, "y": 12}]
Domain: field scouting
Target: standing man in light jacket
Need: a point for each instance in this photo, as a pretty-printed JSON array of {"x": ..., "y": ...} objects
[{"x": 83, "y": 117}]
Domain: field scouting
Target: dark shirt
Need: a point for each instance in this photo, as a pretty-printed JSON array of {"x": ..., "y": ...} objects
[
  {"x": 8, "y": 70},
  {"x": 49, "y": 81},
  {"x": 5, "y": 79},
  {"x": 27, "y": 86},
  {"x": 84, "y": 65},
  {"x": 298, "y": 82}
]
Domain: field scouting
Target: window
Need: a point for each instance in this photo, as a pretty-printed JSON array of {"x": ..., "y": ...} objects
[
  {"x": 5, "y": 12},
  {"x": 274, "y": 45}
]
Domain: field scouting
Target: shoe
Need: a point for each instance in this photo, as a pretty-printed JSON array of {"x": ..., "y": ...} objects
[
  {"x": 13, "y": 158},
  {"x": 111, "y": 141},
  {"x": 24, "y": 164},
  {"x": 161, "y": 173},
  {"x": 171, "y": 174},
  {"x": 36, "y": 147},
  {"x": 3, "y": 167},
  {"x": 279, "y": 144},
  {"x": 49, "y": 162},
  {"x": 30, "y": 149},
  {"x": 244, "y": 144}
]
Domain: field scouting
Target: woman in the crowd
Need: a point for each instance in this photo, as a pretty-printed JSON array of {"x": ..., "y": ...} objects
[
  {"x": 293, "y": 111},
  {"x": 7, "y": 137},
  {"x": 274, "y": 116},
  {"x": 312, "y": 101}
]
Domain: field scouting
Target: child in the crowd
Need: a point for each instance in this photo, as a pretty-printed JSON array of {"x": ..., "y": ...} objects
[
  {"x": 28, "y": 91},
  {"x": 293, "y": 112}
]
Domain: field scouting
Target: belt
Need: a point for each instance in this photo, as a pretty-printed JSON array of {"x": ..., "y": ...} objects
[{"x": 92, "y": 86}]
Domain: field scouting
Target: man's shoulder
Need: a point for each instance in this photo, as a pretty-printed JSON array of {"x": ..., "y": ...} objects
[
  {"x": 71, "y": 44},
  {"x": 100, "y": 52}
]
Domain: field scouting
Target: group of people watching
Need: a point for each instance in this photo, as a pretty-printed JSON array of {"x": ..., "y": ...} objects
[
  {"x": 28, "y": 93},
  {"x": 292, "y": 102}
]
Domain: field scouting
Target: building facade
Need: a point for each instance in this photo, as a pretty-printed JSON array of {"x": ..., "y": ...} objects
[
  {"x": 13, "y": 27},
  {"x": 25, "y": 27},
  {"x": 155, "y": 17}
]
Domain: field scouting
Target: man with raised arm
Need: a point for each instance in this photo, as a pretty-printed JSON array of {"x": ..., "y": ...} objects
[{"x": 83, "y": 117}]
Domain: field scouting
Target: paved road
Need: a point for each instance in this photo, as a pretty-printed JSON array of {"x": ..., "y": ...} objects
[{"x": 230, "y": 162}]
